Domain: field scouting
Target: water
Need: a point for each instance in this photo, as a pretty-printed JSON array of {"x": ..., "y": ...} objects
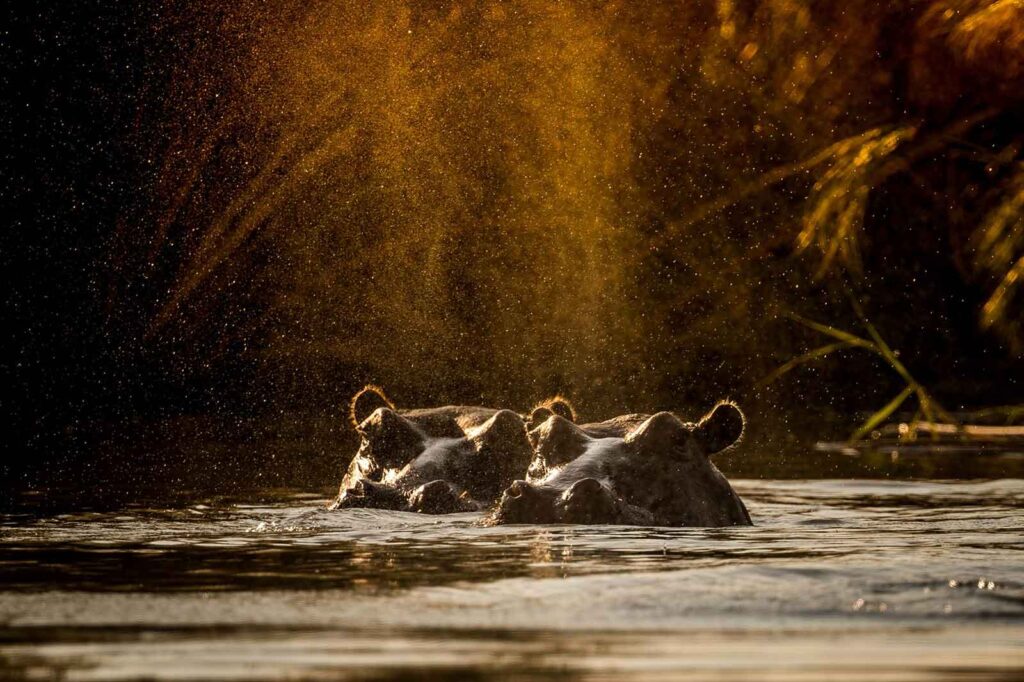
[{"x": 843, "y": 580}]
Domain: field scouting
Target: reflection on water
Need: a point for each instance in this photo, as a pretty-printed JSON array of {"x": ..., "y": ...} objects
[{"x": 896, "y": 580}]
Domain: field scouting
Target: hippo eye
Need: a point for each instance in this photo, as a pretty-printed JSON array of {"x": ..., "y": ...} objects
[
  {"x": 503, "y": 427},
  {"x": 661, "y": 432},
  {"x": 558, "y": 441},
  {"x": 389, "y": 438}
]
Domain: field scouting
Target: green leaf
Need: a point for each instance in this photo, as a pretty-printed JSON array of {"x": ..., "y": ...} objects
[
  {"x": 845, "y": 337},
  {"x": 883, "y": 414},
  {"x": 801, "y": 359}
]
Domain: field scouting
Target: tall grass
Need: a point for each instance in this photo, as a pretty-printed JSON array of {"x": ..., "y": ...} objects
[{"x": 928, "y": 408}]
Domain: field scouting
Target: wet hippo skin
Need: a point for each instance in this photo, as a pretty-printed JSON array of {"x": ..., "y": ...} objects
[{"x": 436, "y": 461}]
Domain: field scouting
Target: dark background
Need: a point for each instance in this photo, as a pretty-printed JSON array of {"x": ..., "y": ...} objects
[{"x": 221, "y": 220}]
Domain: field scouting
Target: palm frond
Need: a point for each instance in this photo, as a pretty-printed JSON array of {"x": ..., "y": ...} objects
[
  {"x": 839, "y": 198},
  {"x": 999, "y": 258}
]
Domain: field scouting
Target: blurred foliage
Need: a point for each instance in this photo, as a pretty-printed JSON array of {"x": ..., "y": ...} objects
[
  {"x": 966, "y": 70},
  {"x": 490, "y": 202}
]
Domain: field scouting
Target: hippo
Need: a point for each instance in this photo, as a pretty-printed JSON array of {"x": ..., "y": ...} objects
[
  {"x": 437, "y": 460},
  {"x": 636, "y": 469}
]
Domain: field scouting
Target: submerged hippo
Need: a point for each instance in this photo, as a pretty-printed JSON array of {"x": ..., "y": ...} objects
[
  {"x": 632, "y": 470},
  {"x": 438, "y": 460}
]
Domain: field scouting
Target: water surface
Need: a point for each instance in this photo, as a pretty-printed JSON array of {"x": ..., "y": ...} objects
[{"x": 839, "y": 579}]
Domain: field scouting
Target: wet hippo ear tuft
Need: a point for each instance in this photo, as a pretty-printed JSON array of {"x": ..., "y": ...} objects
[
  {"x": 555, "y": 405},
  {"x": 365, "y": 402},
  {"x": 720, "y": 428},
  {"x": 562, "y": 407}
]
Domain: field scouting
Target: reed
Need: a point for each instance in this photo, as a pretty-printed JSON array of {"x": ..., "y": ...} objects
[{"x": 929, "y": 409}]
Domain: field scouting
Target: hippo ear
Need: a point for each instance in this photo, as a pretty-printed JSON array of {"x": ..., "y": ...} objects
[
  {"x": 365, "y": 402},
  {"x": 663, "y": 430},
  {"x": 562, "y": 407},
  {"x": 554, "y": 405},
  {"x": 720, "y": 428},
  {"x": 538, "y": 417}
]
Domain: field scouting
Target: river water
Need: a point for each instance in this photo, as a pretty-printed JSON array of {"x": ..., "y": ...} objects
[{"x": 839, "y": 580}]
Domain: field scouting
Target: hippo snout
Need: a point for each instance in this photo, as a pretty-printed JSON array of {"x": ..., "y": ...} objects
[
  {"x": 523, "y": 502},
  {"x": 373, "y": 495},
  {"x": 438, "y": 497},
  {"x": 587, "y": 501}
]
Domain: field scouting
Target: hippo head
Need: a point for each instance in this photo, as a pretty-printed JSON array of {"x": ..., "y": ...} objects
[
  {"x": 635, "y": 470},
  {"x": 436, "y": 460}
]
